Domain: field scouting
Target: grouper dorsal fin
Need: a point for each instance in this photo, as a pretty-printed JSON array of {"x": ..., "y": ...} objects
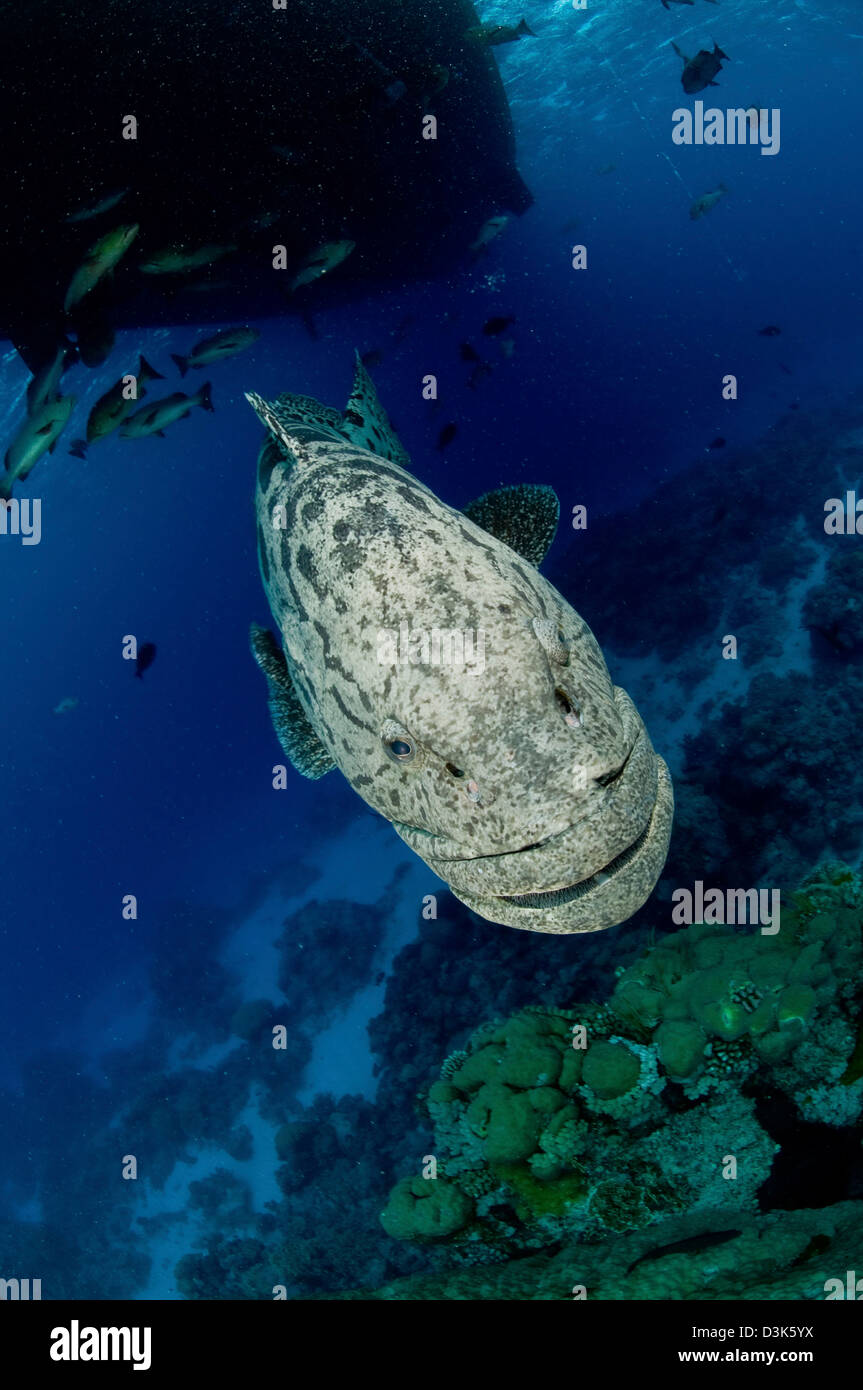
[
  {"x": 366, "y": 423},
  {"x": 524, "y": 517},
  {"x": 296, "y": 421},
  {"x": 290, "y": 721}
]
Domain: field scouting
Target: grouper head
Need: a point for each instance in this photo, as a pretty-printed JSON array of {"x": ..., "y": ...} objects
[{"x": 425, "y": 656}]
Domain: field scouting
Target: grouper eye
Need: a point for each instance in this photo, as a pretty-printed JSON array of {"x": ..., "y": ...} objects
[{"x": 399, "y": 745}]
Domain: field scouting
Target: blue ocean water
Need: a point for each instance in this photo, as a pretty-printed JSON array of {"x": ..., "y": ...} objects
[{"x": 162, "y": 787}]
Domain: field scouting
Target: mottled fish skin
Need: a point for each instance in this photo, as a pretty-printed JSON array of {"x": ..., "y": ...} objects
[{"x": 546, "y": 799}]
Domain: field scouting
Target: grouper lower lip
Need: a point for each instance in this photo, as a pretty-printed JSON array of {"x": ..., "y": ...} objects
[{"x": 607, "y": 897}]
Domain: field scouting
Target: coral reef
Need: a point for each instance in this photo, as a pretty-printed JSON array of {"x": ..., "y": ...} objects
[
  {"x": 834, "y": 610},
  {"x": 479, "y": 971},
  {"x": 323, "y": 1232},
  {"x": 312, "y": 939},
  {"x": 781, "y": 1255},
  {"x": 776, "y": 771},
  {"x": 650, "y": 595},
  {"x": 584, "y": 1124}
]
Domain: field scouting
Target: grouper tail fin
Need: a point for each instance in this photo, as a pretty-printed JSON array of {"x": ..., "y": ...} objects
[{"x": 296, "y": 422}]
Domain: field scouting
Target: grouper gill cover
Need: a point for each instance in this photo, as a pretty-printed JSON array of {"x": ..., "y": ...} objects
[{"x": 520, "y": 774}]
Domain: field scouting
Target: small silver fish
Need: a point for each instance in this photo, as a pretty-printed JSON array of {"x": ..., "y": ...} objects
[
  {"x": 488, "y": 231},
  {"x": 43, "y": 386},
  {"x": 99, "y": 260},
  {"x": 37, "y": 435},
  {"x": 84, "y": 214},
  {"x": 227, "y": 343},
  {"x": 707, "y": 201},
  {"x": 116, "y": 404},
  {"x": 321, "y": 262},
  {"x": 175, "y": 260},
  {"x": 155, "y": 417}
]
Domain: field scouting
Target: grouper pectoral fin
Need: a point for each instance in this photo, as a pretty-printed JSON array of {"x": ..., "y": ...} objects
[
  {"x": 367, "y": 424},
  {"x": 524, "y": 517},
  {"x": 290, "y": 721}
]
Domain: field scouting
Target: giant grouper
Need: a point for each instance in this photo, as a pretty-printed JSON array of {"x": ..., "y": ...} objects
[{"x": 489, "y": 733}]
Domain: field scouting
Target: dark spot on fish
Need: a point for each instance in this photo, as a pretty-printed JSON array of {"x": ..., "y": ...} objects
[
  {"x": 262, "y": 554},
  {"x": 350, "y": 557},
  {"x": 353, "y": 417},
  {"x": 472, "y": 540},
  {"x": 299, "y": 606},
  {"x": 312, "y": 510},
  {"x": 348, "y": 713},
  {"x": 413, "y": 498},
  {"x": 332, "y": 662},
  {"x": 268, "y": 459},
  {"x": 355, "y": 482},
  {"x": 306, "y": 567},
  {"x": 361, "y": 780}
]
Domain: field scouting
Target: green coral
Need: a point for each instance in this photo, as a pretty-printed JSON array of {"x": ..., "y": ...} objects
[
  {"x": 546, "y": 1139},
  {"x": 681, "y": 1047},
  {"x": 426, "y": 1209},
  {"x": 611, "y": 1069}
]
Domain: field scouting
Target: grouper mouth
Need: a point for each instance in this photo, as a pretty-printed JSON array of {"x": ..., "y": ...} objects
[
  {"x": 593, "y": 902},
  {"x": 556, "y": 897},
  {"x": 604, "y": 899}
]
